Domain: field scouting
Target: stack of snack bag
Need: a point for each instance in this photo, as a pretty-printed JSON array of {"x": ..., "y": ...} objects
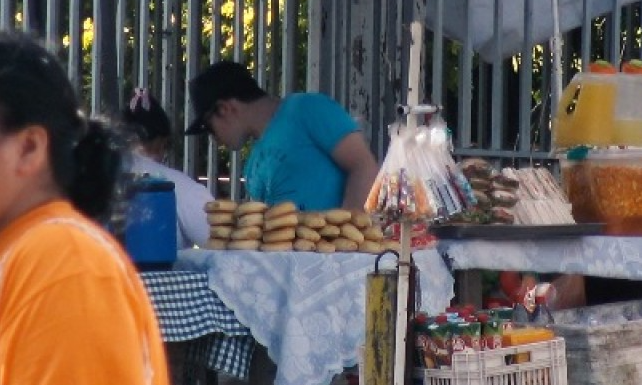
[
  {"x": 495, "y": 193},
  {"x": 418, "y": 180}
]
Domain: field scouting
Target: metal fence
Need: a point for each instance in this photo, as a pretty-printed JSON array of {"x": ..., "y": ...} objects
[{"x": 497, "y": 104}]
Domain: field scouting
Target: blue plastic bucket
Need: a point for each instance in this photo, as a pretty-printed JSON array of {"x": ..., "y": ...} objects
[{"x": 150, "y": 232}]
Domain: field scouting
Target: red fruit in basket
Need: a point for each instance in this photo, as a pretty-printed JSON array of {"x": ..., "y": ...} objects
[{"x": 602, "y": 67}]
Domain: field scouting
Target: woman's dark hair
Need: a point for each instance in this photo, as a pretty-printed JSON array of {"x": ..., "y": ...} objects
[
  {"x": 146, "y": 117},
  {"x": 34, "y": 89}
]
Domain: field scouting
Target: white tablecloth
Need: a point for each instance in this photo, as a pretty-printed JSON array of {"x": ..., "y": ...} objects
[
  {"x": 604, "y": 256},
  {"x": 308, "y": 309}
]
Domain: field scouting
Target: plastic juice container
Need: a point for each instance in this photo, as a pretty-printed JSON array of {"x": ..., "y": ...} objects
[
  {"x": 627, "y": 129},
  {"x": 585, "y": 114},
  {"x": 440, "y": 334},
  {"x": 491, "y": 332},
  {"x": 628, "y": 132},
  {"x": 424, "y": 349}
]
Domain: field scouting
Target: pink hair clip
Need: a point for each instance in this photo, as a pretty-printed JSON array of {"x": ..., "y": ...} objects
[{"x": 141, "y": 94}]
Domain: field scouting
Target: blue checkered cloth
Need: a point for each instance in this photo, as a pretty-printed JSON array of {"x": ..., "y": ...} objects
[{"x": 188, "y": 310}]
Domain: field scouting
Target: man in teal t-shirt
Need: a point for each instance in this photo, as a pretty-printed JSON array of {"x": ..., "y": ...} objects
[{"x": 306, "y": 148}]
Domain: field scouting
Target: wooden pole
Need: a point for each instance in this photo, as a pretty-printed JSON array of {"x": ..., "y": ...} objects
[{"x": 401, "y": 329}]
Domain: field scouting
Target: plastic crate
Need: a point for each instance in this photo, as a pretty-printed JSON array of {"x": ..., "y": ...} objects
[
  {"x": 544, "y": 364},
  {"x": 609, "y": 351}
]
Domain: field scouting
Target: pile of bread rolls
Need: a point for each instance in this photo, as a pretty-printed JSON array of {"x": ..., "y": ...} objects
[
  {"x": 234, "y": 226},
  {"x": 255, "y": 226}
]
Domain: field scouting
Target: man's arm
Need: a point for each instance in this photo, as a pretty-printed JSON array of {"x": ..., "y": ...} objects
[{"x": 353, "y": 155}]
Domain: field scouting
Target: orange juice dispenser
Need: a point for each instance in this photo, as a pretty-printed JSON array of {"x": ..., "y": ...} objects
[
  {"x": 600, "y": 110},
  {"x": 585, "y": 113}
]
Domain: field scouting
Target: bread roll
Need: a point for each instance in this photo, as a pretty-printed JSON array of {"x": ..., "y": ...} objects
[
  {"x": 330, "y": 231},
  {"x": 373, "y": 233},
  {"x": 247, "y": 244},
  {"x": 288, "y": 220},
  {"x": 338, "y": 216},
  {"x": 280, "y": 235},
  {"x": 216, "y": 244},
  {"x": 390, "y": 244},
  {"x": 220, "y": 206},
  {"x": 220, "y": 219},
  {"x": 304, "y": 232},
  {"x": 312, "y": 220},
  {"x": 304, "y": 245},
  {"x": 324, "y": 246},
  {"x": 221, "y": 232},
  {"x": 247, "y": 233},
  {"x": 361, "y": 220},
  {"x": 277, "y": 246},
  {"x": 250, "y": 208},
  {"x": 246, "y": 220},
  {"x": 280, "y": 210},
  {"x": 345, "y": 245},
  {"x": 371, "y": 247},
  {"x": 349, "y": 231}
]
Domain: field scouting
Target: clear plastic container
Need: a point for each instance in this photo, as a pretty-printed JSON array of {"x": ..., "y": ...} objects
[
  {"x": 599, "y": 110},
  {"x": 606, "y": 187},
  {"x": 586, "y": 110}
]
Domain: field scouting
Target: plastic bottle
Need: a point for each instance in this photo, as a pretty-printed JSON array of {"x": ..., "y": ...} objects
[
  {"x": 542, "y": 315},
  {"x": 420, "y": 329},
  {"x": 521, "y": 317}
]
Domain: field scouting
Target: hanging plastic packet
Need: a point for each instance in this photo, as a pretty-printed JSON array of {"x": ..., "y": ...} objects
[
  {"x": 436, "y": 170},
  {"x": 431, "y": 179},
  {"x": 441, "y": 144},
  {"x": 398, "y": 193}
]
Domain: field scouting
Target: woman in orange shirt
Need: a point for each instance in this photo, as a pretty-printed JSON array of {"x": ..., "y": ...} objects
[{"x": 72, "y": 308}]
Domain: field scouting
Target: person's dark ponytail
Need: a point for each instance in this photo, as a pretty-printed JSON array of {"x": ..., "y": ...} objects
[
  {"x": 99, "y": 160},
  {"x": 85, "y": 156}
]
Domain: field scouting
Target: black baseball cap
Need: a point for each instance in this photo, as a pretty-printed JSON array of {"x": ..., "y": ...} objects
[{"x": 220, "y": 81}]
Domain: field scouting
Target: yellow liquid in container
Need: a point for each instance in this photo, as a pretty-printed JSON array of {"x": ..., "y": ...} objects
[
  {"x": 627, "y": 132},
  {"x": 585, "y": 112}
]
